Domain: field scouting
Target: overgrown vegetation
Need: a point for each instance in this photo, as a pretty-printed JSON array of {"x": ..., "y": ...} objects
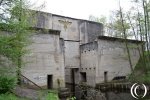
[
  {"x": 52, "y": 95},
  {"x": 135, "y": 24},
  {"x": 14, "y": 33},
  {"x": 8, "y": 96},
  {"x": 139, "y": 71},
  {"x": 7, "y": 83}
]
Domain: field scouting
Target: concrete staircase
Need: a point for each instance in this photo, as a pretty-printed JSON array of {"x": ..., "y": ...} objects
[{"x": 28, "y": 83}]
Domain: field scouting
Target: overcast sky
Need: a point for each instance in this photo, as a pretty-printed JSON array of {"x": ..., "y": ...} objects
[{"x": 81, "y": 9}]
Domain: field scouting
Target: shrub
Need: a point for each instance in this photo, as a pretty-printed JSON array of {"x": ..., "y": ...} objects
[
  {"x": 8, "y": 96},
  {"x": 52, "y": 96},
  {"x": 7, "y": 83}
]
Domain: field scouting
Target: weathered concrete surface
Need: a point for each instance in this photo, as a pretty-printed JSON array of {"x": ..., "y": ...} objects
[
  {"x": 89, "y": 62},
  {"x": 70, "y": 32},
  {"x": 45, "y": 58},
  {"x": 72, "y": 60},
  {"x": 72, "y": 54},
  {"x": 41, "y": 20},
  {"x": 107, "y": 55},
  {"x": 68, "y": 74},
  {"x": 27, "y": 93},
  {"x": 89, "y": 31},
  {"x": 113, "y": 57},
  {"x": 71, "y": 29},
  {"x": 49, "y": 54},
  {"x": 74, "y": 32},
  {"x": 95, "y": 55}
]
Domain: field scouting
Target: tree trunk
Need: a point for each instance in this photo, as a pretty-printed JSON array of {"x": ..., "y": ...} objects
[{"x": 125, "y": 38}]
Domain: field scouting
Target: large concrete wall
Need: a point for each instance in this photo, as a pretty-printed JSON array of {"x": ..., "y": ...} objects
[
  {"x": 70, "y": 32},
  {"x": 76, "y": 29},
  {"x": 72, "y": 59},
  {"x": 41, "y": 20},
  {"x": 73, "y": 31},
  {"x": 68, "y": 77},
  {"x": 107, "y": 54},
  {"x": 72, "y": 54},
  {"x": 89, "y": 62},
  {"x": 89, "y": 31},
  {"x": 46, "y": 58},
  {"x": 113, "y": 58}
]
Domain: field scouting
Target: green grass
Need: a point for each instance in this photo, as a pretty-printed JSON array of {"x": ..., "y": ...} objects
[
  {"x": 52, "y": 96},
  {"x": 10, "y": 96},
  {"x": 45, "y": 94},
  {"x": 48, "y": 94}
]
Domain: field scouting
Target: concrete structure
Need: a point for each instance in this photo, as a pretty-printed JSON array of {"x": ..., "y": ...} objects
[
  {"x": 45, "y": 63},
  {"x": 77, "y": 52},
  {"x": 73, "y": 32},
  {"x": 106, "y": 59}
]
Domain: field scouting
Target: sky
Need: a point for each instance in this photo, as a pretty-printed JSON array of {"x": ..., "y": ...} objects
[{"x": 81, "y": 9}]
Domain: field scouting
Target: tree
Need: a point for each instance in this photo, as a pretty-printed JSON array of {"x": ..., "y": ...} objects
[
  {"x": 112, "y": 27},
  {"x": 101, "y": 19},
  {"x": 138, "y": 18},
  {"x": 123, "y": 29},
  {"x": 117, "y": 25},
  {"x": 14, "y": 20}
]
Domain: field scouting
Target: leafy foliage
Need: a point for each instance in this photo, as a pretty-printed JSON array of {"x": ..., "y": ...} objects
[
  {"x": 7, "y": 83},
  {"x": 52, "y": 96},
  {"x": 14, "y": 32},
  {"x": 8, "y": 96},
  {"x": 101, "y": 19},
  {"x": 139, "y": 71},
  {"x": 114, "y": 27}
]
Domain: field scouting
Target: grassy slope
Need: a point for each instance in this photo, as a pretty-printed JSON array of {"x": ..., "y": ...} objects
[
  {"x": 44, "y": 95},
  {"x": 141, "y": 71}
]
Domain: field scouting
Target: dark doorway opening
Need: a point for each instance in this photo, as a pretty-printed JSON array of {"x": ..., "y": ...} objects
[
  {"x": 49, "y": 81},
  {"x": 105, "y": 76},
  {"x": 73, "y": 80},
  {"x": 83, "y": 77}
]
